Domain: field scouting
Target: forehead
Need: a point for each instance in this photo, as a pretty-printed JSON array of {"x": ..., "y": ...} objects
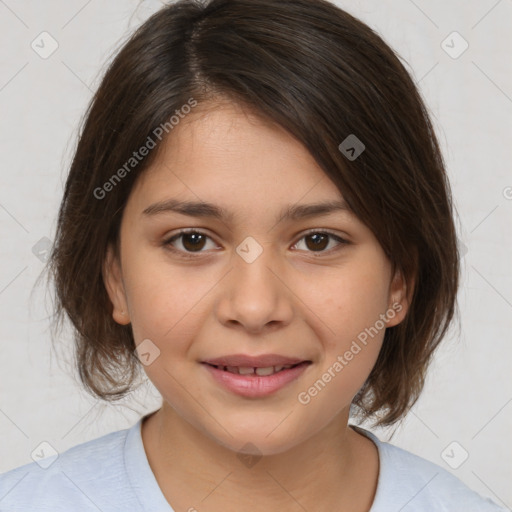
[{"x": 229, "y": 155}]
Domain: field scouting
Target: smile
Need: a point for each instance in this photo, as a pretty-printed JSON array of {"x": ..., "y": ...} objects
[
  {"x": 248, "y": 370},
  {"x": 255, "y": 382}
]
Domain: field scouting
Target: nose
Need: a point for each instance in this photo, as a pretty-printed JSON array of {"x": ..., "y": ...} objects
[{"x": 255, "y": 295}]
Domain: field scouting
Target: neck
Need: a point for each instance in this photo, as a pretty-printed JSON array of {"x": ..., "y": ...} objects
[{"x": 335, "y": 469}]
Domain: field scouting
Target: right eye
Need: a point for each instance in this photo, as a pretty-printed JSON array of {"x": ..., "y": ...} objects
[{"x": 192, "y": 241}]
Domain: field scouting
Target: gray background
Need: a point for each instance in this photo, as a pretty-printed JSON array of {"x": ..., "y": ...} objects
[{"x": 468, "y": 395}]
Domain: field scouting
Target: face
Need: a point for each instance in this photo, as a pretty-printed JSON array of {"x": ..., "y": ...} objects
[{"x": 317, "y": 289}]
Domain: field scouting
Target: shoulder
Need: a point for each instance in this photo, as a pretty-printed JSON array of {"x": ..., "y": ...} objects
[
  {"x": 413, "y": 483},
  {"x": 77, "y": 476}
]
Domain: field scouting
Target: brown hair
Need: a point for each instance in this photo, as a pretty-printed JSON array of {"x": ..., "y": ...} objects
[{"x": 322, "y": 75}]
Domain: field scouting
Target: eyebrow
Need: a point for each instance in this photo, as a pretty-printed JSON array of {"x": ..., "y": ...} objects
[{"x": 204, "y": 209}]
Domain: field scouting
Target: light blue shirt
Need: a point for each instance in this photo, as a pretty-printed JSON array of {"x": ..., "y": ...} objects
[{"x": 112, "y": 474}]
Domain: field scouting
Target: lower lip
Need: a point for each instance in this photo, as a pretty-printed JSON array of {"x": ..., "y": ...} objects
[{"x": 256, "y": 386}]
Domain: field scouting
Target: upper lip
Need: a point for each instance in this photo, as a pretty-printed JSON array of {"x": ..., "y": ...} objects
[{"x": 246, "y": 361}]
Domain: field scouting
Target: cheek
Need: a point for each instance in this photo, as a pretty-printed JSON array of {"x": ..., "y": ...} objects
[
  {"x": 347, "y": 301},
  {"x": 165, "y": 301},
  {"x": 349, "y": 304}
]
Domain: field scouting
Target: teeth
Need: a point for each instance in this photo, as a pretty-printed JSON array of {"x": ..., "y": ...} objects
[
  {"x": 263, "y": 372},
  {"x": 245, "y": 371}
]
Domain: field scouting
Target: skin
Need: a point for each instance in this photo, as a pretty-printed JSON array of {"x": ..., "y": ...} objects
[{"x": 294, "y": 299}]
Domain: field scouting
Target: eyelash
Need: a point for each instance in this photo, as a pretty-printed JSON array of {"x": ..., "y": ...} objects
[{"x": 168, "y": 243}]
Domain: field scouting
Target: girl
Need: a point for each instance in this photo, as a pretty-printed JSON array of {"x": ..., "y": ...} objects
[{"x": 257, "y": 215}]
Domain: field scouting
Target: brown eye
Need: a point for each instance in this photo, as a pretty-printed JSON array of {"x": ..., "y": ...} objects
[
  {"x": 318, "y": 241},
  {"x": 191, "y": 242}
]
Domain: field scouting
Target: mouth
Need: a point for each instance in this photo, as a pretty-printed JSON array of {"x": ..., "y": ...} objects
[
  {"x": 255, "y": 381},
  {"x": 257, "y": 371}
]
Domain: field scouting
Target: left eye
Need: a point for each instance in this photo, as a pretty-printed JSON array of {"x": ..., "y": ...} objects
[
  {"x": 320, "y": 239},
  {"x": 193, "y": 241}
]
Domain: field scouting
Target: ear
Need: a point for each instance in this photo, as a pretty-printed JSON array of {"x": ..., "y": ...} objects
[
  {"x": 113, "y": 279},
  {"x": 400, "y": 297}
]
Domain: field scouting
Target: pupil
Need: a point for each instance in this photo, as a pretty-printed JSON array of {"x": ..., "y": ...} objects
[
  {"x": 195, "y": 240},
  {"x": 316, "y": 245}
]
